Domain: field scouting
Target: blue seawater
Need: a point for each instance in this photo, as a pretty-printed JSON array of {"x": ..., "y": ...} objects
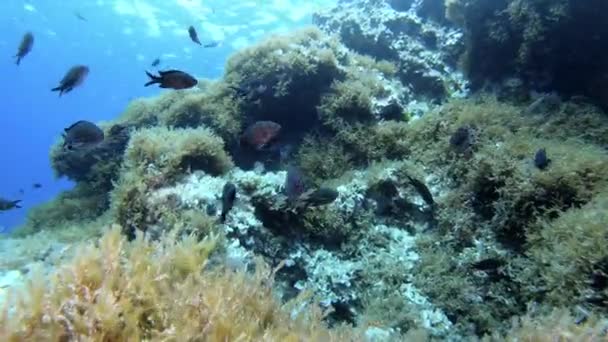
[{"x": 118, "y": 40}]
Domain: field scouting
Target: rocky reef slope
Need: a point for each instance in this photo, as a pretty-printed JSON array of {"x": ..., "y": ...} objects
[{"x": 458, "y": 213}]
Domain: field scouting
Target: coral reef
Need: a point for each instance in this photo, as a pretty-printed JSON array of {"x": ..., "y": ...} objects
[{"x": 441, "y": 226}]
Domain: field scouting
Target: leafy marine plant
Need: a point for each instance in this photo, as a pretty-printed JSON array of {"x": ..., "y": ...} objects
[{"x": 142, "y": 290}]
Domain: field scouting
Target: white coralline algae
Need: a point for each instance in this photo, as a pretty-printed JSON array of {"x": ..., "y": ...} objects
[
  {"x": 332, "y": 274},
  {"x": 328, "y": 273}
]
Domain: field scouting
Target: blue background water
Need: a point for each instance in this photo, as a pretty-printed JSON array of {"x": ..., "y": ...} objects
[{"x": 118, "y": 42}]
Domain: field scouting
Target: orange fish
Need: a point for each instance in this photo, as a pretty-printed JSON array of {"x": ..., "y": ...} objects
[{"x": 260, "y": 134}]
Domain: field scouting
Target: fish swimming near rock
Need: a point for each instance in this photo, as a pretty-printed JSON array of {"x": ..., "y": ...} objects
[
  {"x": 541, "y": 160},
  {"x": 318, "y": 197},
  {"x": 73, "y": 78},
  {"x": 250, "y": 91},
  {"x": 172, "y": 79},
  {"x": 27, "y": 42},
  {"x": 228, "y": 197},
  {"x": 422, "y": 190},
  {"x": 82, "y": 134},
  {"x": 295, "y": 184},
  {"x": 193, "y": 35},
  {"x": 9, "y": 204},
  {"x": 260, "y": 134}
]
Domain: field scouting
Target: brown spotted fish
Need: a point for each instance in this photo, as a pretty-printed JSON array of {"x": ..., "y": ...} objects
[
  {"x": 82, "y": 134},
  {"x": 8, "y": 204},
  {"x": 73, "y": 78},
  {"x": 260, "y": 134},
  {"x": 172, "y": 79},
  {"x": 27, "y": 42}
]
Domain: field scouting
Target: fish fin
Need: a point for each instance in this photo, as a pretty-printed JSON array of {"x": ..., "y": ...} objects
[
  {"x": 18, "y": 60},
  {"x": 153, "y": 79},
  {"x": 57, "y": 89}
]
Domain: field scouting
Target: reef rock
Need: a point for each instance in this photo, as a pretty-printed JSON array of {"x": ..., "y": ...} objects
[{"x": 425, "y": 49}]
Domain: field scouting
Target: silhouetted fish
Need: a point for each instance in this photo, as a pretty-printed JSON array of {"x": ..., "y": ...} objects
[
  {"x": 173, "y": 79},
  {"x": 73, "y": 78},
  {"x": 79, "y": 16},
  {"x": 193, "y": 35},
  {"x": 213, "y": 44},
  {"x": 295, "y": 184},
  {"x": 318, "y": 197},
  {"x": 541, "y": 160},
  {"x": 27, "y": 42},
  {"x": 155, "y": 62},
  {"x": 228, "y": 197},
  {"x": 82, "y": 134},
  {"x": 8, "y": 204},
  {"x": 260, "y": 134},
  {"x": 36, "y": 185},
  {"x": 250, "y": 91},
  {"x": 422, "y": 190}
]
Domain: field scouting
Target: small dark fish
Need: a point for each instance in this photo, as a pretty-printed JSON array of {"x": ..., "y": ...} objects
[
  {"x": 228, "y": 197},
  {"x": 8, "y": 204},
  {"x": 211, "y": 209},
  {"x": 541, "y": 160},
  {"x": 36, "y": 185},
  {"x": 213, "y": 44},
  {"x": 318, "y": 197},
  {"x": 155, "y": 62},
  {"x": 172, "y": 79},
  {"x": 251, "y": 91},
  {"x": 73, "y": 78},
  {"x": 79, "y": 16},
  {"x": 193, "y": 35},
  {"x": 422, "y": 190},
  {"x": 461, "y": 137},
  {"x": 285, "y": 152},
  {"x": 260, "y": 134},
  {"x": 295, "y": 184},
  {"x": 238, "y": 91},
  {"x": 27, "y": 42},
  {"x": 488, "y": 264},
  {"x": 82, "y": 134}
]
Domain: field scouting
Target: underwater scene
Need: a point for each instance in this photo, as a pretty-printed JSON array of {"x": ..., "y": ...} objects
[{"x": 304, "y": 170}]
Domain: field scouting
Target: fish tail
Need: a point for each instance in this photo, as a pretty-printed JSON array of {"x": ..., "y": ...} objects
[
  {"x": 153, "y": 79},
  {"x": 16, "y": 204}
]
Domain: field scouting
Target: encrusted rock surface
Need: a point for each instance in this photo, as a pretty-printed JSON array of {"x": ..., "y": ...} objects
[
  {"x": 333, "y": 273},
  {"x": 425, "y": 50}
]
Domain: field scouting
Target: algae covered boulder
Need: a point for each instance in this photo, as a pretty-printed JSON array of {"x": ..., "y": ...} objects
[
  {"x": 551, "y": 45},
  {"x": 157, "y": 157}
]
